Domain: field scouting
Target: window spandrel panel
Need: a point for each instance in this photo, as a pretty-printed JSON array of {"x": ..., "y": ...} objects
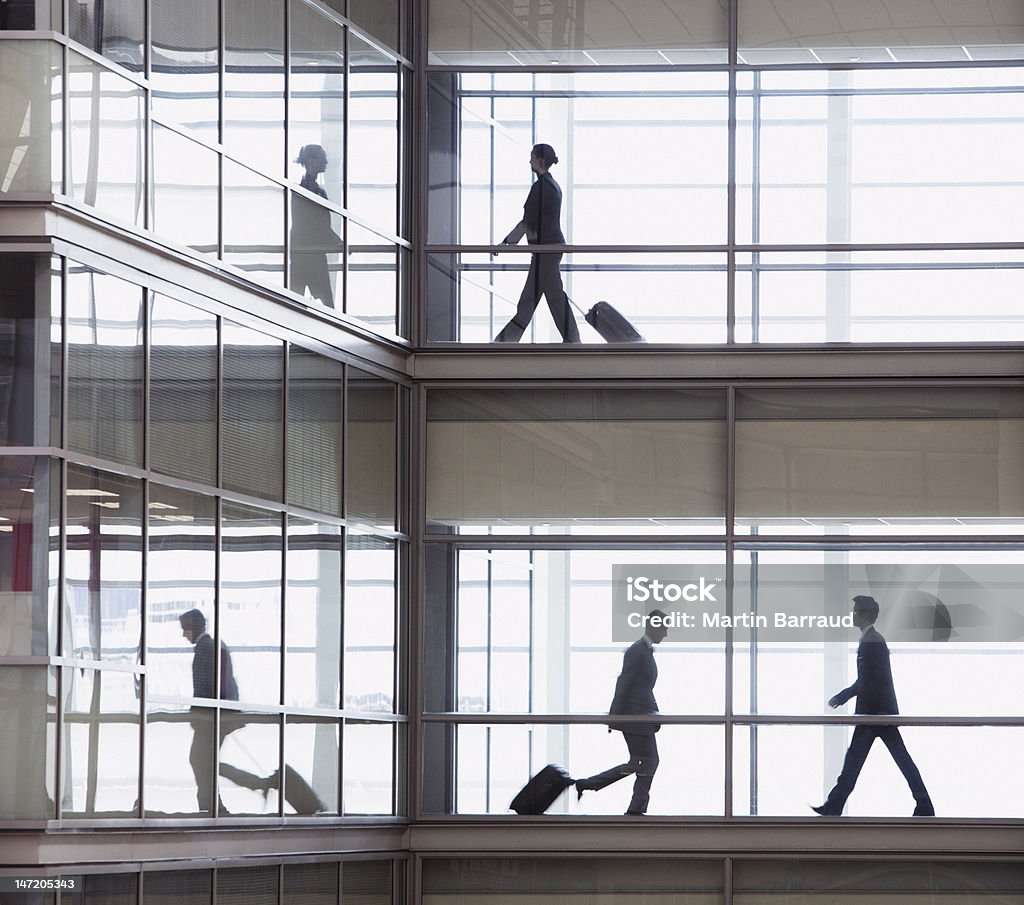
[
  {"x": 105, "y": 889},
  {"x": 315, "y": 398},
  {"x": 185, "y": 78},
  {"x": 253, "y": 412},
  {"x": 253, "y": 224},
  {"x": 372, "y": 423},
  {"x": 177, "y": 887},
  {"x": 882, "y": 459},
  {"x": 465, "y": 32},
  {"x": 101, "y": 743},
  {"x": 379, "y": 18},
  {"x": 113, "y": 28},
  {"x": 367, "y": 882},
  {"x": 250, "y": 885},
  {"x": 31, "y": 153},
  {"x": 310, "y": 884},
  {"x": 106, "y": 365},
  {"x": 185, "y": 185},
  {"x": 107, "y": 155},
  {"x": 182, "y": 390},
  {"x": 102, "y": 618},
  {"x": 254, "y": 83},
  {"x": 28, "y": 697},
  {"x": 576, "y": 460}
]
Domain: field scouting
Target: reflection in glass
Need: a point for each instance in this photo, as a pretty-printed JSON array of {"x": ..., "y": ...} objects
[
  {"x": 103, "y": 566},
  {"x": 254, "y": 83},
  {"x": 315, "y": 390},
  {"x": 249, "y": 885},
  {"x": 107, "y": 157},
  {"x": 101, "y": 743},
  {"x": 250, "y": 599},
  {"x": 28, "y": 714},
  {"x": 180, "y": 576},
  {"x": 113, "y": 28},
  {"x": 373, "y": 135},
  {"x": 311, "y": 752},
  {"x": 369, "y": 760},
  {"x": 250, "y": 760},
  {"x": 30, "y": 132},
  {"x": 310, "y": 884},
  {"x": 185, "y": 184},
  {"x": 629, "y": 881},
  {"x": 372, "y": 449},
  {"x": 366, "y": 882},
  {"x": 177, "y": 887},
  {"x": 106, "y": 331},
  {"x": 253, "y": 224},
  {"x": 584, "y": 461},
  {"x": 30, "y": 350},
  {"x": 179, "y": 760},
  {"x": 185, "y": 60},
  {"x": 183, "y": 390},
  {"x": 369, "y": 623},
  {"x": 371, "y": 290},
  {"x": 253, "y": 412},
  {"x": 316, "y": 107},
  {"x": 313, "y": 615}
]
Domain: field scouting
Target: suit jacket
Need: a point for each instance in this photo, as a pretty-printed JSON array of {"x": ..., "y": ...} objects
[
  {"x": 542, "y": 215},
  {"x": 874, "y": 689},
  {"x": 634, "y": 689},
  {"x": 202, "y": 670}
]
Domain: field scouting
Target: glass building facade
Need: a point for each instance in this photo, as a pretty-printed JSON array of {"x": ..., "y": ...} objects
[{"x": 302, "y": 576}]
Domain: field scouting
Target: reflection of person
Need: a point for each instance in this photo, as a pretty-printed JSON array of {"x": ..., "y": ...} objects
[
  {"x": 541, "y": 226},
  {"x": 875, "y": 693},
  {"x": 193, "y": 627},
  {"x": 311, "y": 235},
  {"x": 634, "y": 694}
]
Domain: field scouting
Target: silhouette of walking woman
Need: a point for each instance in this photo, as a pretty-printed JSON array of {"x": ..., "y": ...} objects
[
  {"x": 312, "y": 237},
  {"x": 541, "y": 226}
]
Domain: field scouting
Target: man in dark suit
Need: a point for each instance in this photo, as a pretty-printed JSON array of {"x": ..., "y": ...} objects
[
  {"x": 875, "y": 694},
  {"x": 634, "y": 695}
]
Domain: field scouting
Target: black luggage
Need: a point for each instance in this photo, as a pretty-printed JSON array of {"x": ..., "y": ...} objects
[
  {"x": 299, "y": 793},
  {"x": 540, "y": 792},
  {"x": 613, "y": 327}
]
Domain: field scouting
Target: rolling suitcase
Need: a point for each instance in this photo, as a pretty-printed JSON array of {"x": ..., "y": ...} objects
[
  {"x": 610, "y": 323},
  {"x": 540, "y": 792}
]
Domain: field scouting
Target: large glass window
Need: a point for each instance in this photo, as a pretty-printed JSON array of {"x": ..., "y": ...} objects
[
  {"x": 113, "y": 28},
  {"x": 28, "y": 708},
  {"x": 31, "y": 152}
]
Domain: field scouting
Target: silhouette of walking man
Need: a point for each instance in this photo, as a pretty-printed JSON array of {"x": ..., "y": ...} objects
[
  {"x": 634, "y": 694},
  {"x": 875, "y": 694},
  {"x": 541, "y": 224}
]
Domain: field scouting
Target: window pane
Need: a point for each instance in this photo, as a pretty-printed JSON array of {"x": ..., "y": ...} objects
[
  {"x": 692, "y": 31},
  {"x": 875, "y": 460},
  {"x": 30, "y": 132},
  {"x": 29, "y": 550},
  {"x": 576, "y": 460},
  {"x": 113, "y": 28},
  {"x": 315, "y": 390},
  {"x": 313, "y": 615},
  {"x": 311, "y": 751},
  {"x": 185, "y": 60},
  {"x": 254, "y": 83},
  {"x": 250, "y": 762},
  {"x": 253, "y": 224},
  {"x": 369, "y": 767},
  {"x": 250, "y": 600},
  {"x": 369, "y": 623},
  {"x": 253, "y": 412},
  {"x": 183, "y": 390},
  {"x": 106, "y": 162},
  {"x": 28, "y": 696},
  {"x": 106, "y": 365},
  {"x": 373, "y": 135},
  {"x": 372, "y": 288},
  {"x": 30, "y": 350},
  {"x": 103, "y": 566},
  {"x": 370, "y": 469},
  {"x": 184, "y": 191},
  {"x": 101, "y": 748},
  {"x": 179, "y": 761},
  {"x": 317, "y": 250}
]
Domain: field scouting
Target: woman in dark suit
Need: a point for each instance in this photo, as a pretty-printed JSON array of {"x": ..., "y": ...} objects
[
  {"x": 541, "y": 225},
  {"x": 312, "y": 237}
]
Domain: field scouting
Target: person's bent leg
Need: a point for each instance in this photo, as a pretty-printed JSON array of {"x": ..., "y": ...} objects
[
  {"x": 856, "y": 754},
  {"x": 893, "y": 740},
  {"x": 600, "y": 780},
  {"x": 644, "y": 751},
  {"x": 513, "y": 331}
]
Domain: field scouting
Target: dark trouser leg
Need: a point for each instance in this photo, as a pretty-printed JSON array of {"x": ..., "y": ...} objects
[
  {"x": 890, "y": 735},
  {"x": 856, "y": 754},
  {"x": 643, "y": 750},
  {"x": 200, "y": 758},
  {"x": 513, "y": 331},
  {"x": 550, "y": 281}
]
